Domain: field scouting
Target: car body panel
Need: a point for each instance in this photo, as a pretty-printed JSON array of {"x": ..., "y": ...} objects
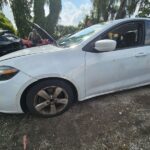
[
  {"x": 117, "y": 70},
  {"x": 9, "y": 98},
  {"x": 51, "y": 67}
]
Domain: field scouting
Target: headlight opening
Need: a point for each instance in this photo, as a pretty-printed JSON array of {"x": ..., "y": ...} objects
[{"x": 7, "y": 72}]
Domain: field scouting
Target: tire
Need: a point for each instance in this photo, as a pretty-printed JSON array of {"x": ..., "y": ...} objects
[{"x": 49, "y": 98}]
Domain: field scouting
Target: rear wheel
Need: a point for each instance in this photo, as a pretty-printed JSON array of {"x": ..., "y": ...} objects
[{"x": 50, "y": 98}]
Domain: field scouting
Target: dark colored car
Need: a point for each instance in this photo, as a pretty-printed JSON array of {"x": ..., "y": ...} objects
[{"x": 9, "y": 42}]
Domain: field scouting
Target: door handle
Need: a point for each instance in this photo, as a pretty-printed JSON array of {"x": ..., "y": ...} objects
[{"x": 140, "y": 54}]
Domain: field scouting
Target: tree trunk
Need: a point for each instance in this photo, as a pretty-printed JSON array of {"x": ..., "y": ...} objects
[
  {"x": 55, "y": 7},
  {"x": 109, "y": 11},
  {"x": 39, "y": 12},
  {"x": 121, "y": 12},
  {"x": 21, "y": 11}
]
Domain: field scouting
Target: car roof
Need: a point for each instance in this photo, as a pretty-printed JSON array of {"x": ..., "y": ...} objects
[
  {"x": 129, "y": 19},
  {"x": 111, "y": 23}
]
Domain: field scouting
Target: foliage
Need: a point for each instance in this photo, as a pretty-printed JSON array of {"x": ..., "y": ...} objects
[
  {"x": 39, "y": 12},
  {"x": 132, "y": 6},
  {"x": 47, "y": 22},
  {"x": 22, "y": 10},
  {"x": 113, "y": 9},
  {"x": 144, "y": 9},
  {"x": 103, "y": 10},
  {"x": 5, "y": 24},
  {"x": 52, "y": 19},
  {"x": 22, "y": 14}
]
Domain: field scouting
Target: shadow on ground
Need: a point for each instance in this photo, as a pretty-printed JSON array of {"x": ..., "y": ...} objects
[{"x": 118, "y": 121}]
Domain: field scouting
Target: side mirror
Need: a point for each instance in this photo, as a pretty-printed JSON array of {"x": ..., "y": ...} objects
[{"x": 105, "y": 45}]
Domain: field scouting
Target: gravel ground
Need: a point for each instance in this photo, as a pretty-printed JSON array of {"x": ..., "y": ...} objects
[{"x": 118, "y": 121}]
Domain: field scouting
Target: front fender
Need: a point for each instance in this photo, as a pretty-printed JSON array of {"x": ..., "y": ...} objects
[{"x": 65, "y": 65}]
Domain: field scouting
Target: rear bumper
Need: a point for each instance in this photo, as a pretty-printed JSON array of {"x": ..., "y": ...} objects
[{"x": 11, "y": 91}]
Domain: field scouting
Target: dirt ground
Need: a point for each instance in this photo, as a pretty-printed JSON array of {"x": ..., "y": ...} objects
[{"x": 118, "y": 121}]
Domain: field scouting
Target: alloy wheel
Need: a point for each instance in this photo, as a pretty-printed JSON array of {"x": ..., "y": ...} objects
[{"x": 51, "y": 100}]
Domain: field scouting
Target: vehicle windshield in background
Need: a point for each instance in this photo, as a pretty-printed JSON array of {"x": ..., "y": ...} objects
[
  {"x": 80, "y": 36},
  {"x": 10, "y": 37}
]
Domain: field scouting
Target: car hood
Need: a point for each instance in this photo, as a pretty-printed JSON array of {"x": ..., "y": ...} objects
[{"x": 32, "y": 51}]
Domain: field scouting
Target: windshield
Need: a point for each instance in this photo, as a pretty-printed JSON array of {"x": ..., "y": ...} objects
[
  {"x": 10, "y": 37},
  {"x": 80, "y": 36}
]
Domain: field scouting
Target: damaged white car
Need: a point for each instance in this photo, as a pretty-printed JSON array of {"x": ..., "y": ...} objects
[{"x": 101, "y": 59}]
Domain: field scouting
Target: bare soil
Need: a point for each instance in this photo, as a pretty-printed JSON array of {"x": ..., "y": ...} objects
[{"x": 118, "y": 121}]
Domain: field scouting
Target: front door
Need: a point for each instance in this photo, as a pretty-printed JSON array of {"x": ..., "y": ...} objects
[{"x": 120, "y": 69}]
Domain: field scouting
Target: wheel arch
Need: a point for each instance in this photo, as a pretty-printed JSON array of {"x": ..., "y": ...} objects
[{"x": 23, "y": 96}]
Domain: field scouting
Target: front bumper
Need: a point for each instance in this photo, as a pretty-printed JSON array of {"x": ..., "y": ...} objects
[{"x": 11, "y": 91}]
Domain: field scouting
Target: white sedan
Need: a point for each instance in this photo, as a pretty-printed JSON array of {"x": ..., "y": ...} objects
[{"x": 101, "y": 59}]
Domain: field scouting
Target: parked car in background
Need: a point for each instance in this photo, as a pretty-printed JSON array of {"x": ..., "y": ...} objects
[
  {"x": 101, "y": 59},
  {"x": 9, "y": 42},
  {"x": 46, "y": 37}
]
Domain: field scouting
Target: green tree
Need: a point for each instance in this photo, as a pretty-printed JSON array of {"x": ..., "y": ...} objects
[
  {"x": 104, "y": 9},
  {"x": 144, "y": 9},
  {"x": 53, "y": 17},
  {"x": 100, "y": 9},
  {"x": 48, "y": 22},
  {"x": 5, "y": 24},
  {"x": 39, "y": 12},
  {"x": 127, "y": 8},
  {"x": 131, "y": 7},
  {"x": 113, "y": 9},
  {"x": 22, "y": 14},
  {"x": 64, "y": 30}
]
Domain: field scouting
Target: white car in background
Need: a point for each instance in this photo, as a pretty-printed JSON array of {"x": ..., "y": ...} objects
[{"x": 101, "y": 59}]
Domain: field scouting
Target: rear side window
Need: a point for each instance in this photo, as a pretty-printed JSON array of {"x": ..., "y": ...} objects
[{"x": 147, "y": 36}]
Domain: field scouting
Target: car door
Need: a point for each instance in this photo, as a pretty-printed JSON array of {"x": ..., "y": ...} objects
[{"x": 128, "y": 66}]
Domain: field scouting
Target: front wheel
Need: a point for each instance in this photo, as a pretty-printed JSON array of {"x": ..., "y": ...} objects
[{"x": 49, "y": 98}]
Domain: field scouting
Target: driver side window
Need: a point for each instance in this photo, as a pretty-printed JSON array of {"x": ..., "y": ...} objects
[{"x": 127, "y": 35}]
